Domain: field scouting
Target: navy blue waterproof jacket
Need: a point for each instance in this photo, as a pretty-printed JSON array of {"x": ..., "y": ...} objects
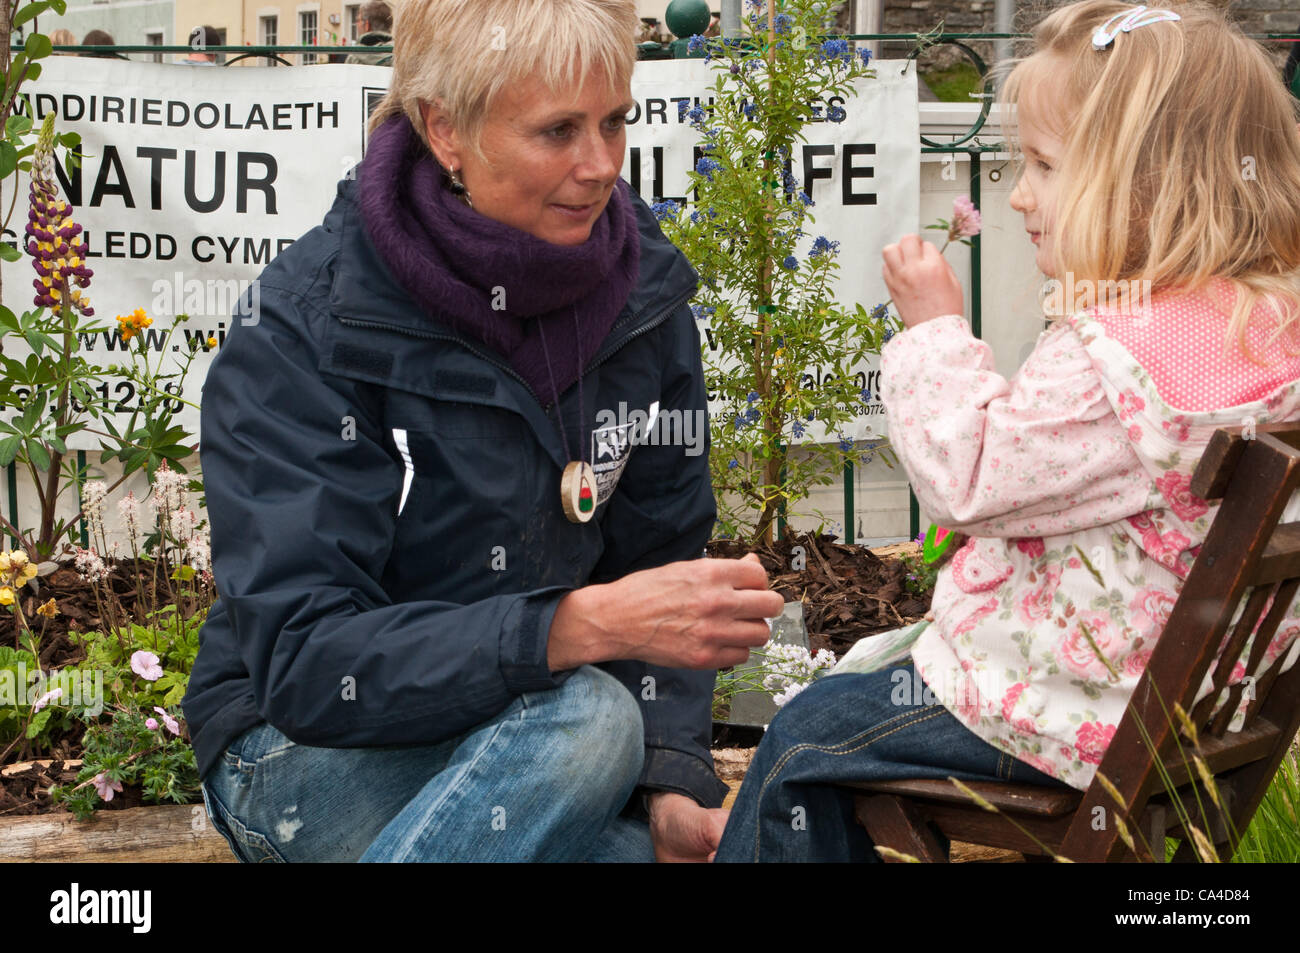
[{"x": 346, "y": 623}]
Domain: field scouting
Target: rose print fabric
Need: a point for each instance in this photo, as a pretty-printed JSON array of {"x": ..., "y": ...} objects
[{"x": 1072, "y": 480}]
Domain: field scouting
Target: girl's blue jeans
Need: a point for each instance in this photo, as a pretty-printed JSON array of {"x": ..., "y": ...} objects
[
  {"x": 544, "y": 780},
  {"x": 850, "y": 727}
]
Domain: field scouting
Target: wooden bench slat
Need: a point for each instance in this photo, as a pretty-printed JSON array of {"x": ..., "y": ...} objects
[
  {"x": 1281, "y": 559},
  {"x": 1015, "y": 798}
]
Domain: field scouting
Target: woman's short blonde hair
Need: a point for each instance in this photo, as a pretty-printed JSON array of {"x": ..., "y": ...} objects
[
  {"x": 463, "y": 53},
  {"x": 1181, "y": 155}
]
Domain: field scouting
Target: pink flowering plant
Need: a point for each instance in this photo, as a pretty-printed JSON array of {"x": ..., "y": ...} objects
[
  {"x": 153, "y": 641},
  {"x": 139, "y": 744},
  {"x": 141, "y": 740},
  {"x": 146, "y": 648}
]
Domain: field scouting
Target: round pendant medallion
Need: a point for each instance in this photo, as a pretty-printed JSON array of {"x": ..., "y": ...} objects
[{"x": 578, "y": 492}]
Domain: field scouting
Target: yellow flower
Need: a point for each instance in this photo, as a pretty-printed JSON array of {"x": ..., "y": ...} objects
[
  {"x": 127, "y": 334},
  {"x": 212, "y": 342},
  {"x": 18, "y": 558},
  {"x": 4, "y": 562},
  {"x": 29, "y": 572},
  {"x": 49, "y": 609},
  {"x": 6, "y": 596}
]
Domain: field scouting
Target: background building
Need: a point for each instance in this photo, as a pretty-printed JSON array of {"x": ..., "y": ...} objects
[
  {"x": 327, "y": 23},
  {"x": 149, "y": 22}
]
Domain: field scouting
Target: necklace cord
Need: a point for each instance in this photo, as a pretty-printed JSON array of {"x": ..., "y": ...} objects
[{"x": 559, "y": 415}]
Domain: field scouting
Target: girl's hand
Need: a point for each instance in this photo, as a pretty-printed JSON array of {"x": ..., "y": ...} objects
[{"x": 920, "y": 280}]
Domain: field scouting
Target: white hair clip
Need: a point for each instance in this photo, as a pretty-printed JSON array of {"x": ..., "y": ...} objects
[{"x": 1126, "y": 21}]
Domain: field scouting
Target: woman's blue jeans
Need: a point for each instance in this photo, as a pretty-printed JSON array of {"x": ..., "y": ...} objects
[
  {"x": 850, "y": 727},
  {"x": 542, "y": 781}
]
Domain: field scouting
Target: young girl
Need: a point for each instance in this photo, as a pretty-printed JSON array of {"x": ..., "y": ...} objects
[{"x": 1160, "y": 183}]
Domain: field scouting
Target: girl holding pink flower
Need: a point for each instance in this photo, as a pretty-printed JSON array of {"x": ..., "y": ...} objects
[{"x": 1071, "y": 480}]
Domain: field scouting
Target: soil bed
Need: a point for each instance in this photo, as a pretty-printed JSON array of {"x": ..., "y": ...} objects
[{"x": 129, "y": 581}]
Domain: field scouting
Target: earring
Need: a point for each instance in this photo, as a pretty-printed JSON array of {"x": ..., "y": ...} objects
[{"x": 458, "y": 188}]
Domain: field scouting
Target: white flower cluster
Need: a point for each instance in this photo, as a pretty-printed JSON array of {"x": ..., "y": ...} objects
[
  {"x": 128, "y": 507},
  {"x": 89, "y": 566},
  {"x": 92, "y": 506},
  {"x": 168, "y": 492},
  {"x": 168, "y": 506},
  {"x": 791, "y": 669},
  {"x": 170, "y": 499}
]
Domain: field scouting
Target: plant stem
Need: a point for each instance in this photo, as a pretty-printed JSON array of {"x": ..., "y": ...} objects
[{"x": 771, "y": 463}]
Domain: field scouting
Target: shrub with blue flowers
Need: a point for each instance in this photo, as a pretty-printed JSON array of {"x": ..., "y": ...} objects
[{"x": 767, "y": 294}]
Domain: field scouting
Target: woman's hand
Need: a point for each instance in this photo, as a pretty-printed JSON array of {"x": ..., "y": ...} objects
[
  {"x": 698, "y": 614},
  {"x": 682, "y": 831},
  {"x": 920, "y": 280}
]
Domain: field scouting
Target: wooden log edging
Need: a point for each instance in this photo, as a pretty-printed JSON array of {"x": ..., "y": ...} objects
[
  {"x": 162, "y": 834},
  {"x": 165, "y": 833}
]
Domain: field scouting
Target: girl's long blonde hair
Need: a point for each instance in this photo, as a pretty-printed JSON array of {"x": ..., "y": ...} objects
[{"x": 1181, "y": 155}]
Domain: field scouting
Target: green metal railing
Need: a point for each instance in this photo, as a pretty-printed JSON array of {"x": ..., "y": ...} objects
[{"x": 967, "y": 144}]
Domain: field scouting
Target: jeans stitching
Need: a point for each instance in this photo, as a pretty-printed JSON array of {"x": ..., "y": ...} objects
[
  {"x": 250, "y": 842},
  {"x": 882, "y": 725},
  {"x": 830, "y": 749}
]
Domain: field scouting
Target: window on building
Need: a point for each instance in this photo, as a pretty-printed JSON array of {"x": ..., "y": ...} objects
[
  {"x": 350, "y": 14},
  {"x": 268, "y": 34},
  {"x": 307, "y": 33},
  {"x": 154, "y": 38}
]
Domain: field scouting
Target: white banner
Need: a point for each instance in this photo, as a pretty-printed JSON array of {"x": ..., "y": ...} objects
[{"x": 194, "y": 179}]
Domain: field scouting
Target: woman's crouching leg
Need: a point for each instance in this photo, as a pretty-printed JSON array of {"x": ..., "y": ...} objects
[{"x": 537, "y": 783}]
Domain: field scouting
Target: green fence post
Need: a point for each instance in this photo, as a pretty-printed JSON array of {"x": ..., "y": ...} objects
[
  {"x": 12, "y": 472},
  {"x": 848, "y": 502},
  {"x": 81, "y": 477}
]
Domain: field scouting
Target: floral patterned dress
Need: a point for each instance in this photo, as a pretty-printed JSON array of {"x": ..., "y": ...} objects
[{"x": 1072, "y": 481}]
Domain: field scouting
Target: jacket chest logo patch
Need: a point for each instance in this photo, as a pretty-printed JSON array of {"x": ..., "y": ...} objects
[{"x": 610, "y": 448}]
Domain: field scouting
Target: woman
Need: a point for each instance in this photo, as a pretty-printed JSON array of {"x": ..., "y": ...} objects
[{"x": 422, "y": 650}]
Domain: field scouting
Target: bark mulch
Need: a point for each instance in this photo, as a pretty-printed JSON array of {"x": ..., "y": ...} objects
[{"x": 848, "y": 592}]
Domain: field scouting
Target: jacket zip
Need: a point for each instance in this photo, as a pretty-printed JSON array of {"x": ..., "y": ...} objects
[{"x": 657, "y": 320}]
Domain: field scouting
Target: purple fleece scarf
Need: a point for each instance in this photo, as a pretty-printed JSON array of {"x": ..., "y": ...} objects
[{"x": 449, "y": 258}]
